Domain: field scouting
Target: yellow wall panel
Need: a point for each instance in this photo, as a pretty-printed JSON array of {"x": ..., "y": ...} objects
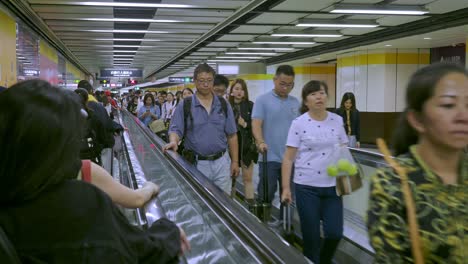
[
  {"x": 255, "y": 77},
  {"x": 385, "y": 58},
  {"x": 47, "y": 51},
  {"x": 7, "y": 50}
]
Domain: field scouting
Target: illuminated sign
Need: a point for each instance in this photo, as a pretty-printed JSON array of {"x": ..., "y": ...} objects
[
  {"x": 31, "y": 72},
  {"x": 181, "y": 79},
  {"x": 122, "y": 73}
]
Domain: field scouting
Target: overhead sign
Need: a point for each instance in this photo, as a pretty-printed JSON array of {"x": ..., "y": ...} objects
[
  {"x": 122, "y": 73},
  {"x": 181, "y": 79}
]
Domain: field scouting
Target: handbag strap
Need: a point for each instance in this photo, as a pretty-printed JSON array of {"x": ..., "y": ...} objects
[
  {"x": 86, "y": 170},
  {"x": 416, "y": 246}
]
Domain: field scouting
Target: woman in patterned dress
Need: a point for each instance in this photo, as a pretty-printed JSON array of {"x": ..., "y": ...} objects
[{"x": 429, "y": 143}]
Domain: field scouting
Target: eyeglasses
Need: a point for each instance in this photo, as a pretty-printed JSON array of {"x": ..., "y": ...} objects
[
  {"x": 286, "y": 85},
  {"x": 209, "y": 81}
]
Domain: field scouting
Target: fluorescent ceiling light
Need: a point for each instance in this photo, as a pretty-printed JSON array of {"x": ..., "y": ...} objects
[
  {"x": 379, "y": 9},
  {"x": 284, "y": 42},
  {"x": 427, "y": 38},
  {"x": 388, "y": 45},
  {"x": 142, "y": 20},
  {"x": 116, "y": 4},
  {"x": 272, "y": 48},
  {"x": 228, "y": 57},
  {"x": 122, "y": 59},
  {"x": 307, "y": 35},
  {"x": 125, "y": 31},
  {"x": 336, "y": 25},
  {"x": 230, "y": 60},
  {"x": 252, "y": 53},
  {"x": 117, "y": 55},
  {"x": 124, "y": 39},
  {"x": 350, "y": 23},
  {"x": 118, "y": 51}
]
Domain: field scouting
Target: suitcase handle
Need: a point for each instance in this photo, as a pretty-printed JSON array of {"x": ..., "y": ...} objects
[
  {"x": 265, "y": 178},
  {"x": 287, "y": 220}
]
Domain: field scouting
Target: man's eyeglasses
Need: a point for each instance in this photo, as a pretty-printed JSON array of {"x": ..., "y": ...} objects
[
  {"x": 286, "y": 85},
  {"x": 209, "y": 81}
]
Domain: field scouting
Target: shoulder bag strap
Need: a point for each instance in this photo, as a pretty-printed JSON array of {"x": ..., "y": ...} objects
[
  {"x": 86, "y": 170},
  {"x": 413, "y": 225}
]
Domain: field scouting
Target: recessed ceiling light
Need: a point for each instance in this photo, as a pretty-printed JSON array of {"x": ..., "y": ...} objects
[
  {"x": 307, "y": 35},
  {"x": 427, "y": 38},
  {"x": 379, "y": 9},
  {"x": 388, "y": 45},
  {"x": 116, "y": 4},
  {"x": 125, "y": 31},
  {"x": 124, "y": 39},
  {"x": 142, "y": 20},
  {"x": 252, "y": 53},
  {"x": 284, "y": 42},
  {"x": 351, "y": 23},
  {"x": 265, "y": 48},
  {"x": 231, "y": 60},
  {"x": 229, "y": 57}
]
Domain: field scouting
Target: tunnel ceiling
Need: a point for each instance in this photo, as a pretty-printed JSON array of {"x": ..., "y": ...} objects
[{"x": 166, "y": 36}]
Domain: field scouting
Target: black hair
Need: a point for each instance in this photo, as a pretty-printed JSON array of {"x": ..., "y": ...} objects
[
  {"x": 221, "y": 80},
  {"x": 150, "y": 96},
  {"x": 311, "y": 87},
  {"x": 285, "y": 69},
  {"x": 40, "y": 133},
  {"x": 162, "y": 93},
  {"x": 83, "y": 94},
  {"x": 188, "y": 89},
  {"x": 348, "y": 96},
  {"x": 419, "y": 90},
  {"x": 203, "y": 68},
  {"x": 244, "y": 88},
  {"x": 86, "y": 85}
]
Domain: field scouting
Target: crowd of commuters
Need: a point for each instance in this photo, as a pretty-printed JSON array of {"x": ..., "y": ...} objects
[{"x": 223, "y": 133}]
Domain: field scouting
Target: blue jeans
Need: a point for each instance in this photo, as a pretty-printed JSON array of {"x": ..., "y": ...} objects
[
  {"x": 274, "y": 178},
  {"x": 315, "y": 204}
]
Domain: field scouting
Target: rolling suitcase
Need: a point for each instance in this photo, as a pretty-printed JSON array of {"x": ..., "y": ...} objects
[
  {"x": 288, "y": 233},
  {"x": 263, "y": 210}
]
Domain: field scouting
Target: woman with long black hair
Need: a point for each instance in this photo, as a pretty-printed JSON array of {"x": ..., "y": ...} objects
[
  {"x": 248, "y": 155},
  {"x": 351, "y": 119}
]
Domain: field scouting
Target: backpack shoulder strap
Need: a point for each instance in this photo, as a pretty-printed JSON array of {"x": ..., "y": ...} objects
[
  {"x": 187, "y": 113},
  {"x": 223, "y": 105},
  {"x": 86, "y": 170}
]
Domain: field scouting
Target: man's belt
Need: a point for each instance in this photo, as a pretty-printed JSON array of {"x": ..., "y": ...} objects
[{"x": 211, "y": 157}]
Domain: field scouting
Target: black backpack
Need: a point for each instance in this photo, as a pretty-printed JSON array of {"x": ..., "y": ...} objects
[
  {"x": 188, "y": 114},
  {"x": 90, "y": 148}
]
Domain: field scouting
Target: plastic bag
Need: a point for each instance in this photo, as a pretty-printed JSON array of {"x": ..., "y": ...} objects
[{"x": 346, "y": 171}]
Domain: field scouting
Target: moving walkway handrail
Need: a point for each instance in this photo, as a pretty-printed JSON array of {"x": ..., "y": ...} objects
[{"x": 269, "y": 247}]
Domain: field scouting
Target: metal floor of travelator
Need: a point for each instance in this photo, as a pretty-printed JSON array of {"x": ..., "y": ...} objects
[{"x": 220, "y": 229}]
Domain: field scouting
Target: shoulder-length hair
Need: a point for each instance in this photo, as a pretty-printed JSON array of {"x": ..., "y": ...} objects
[
  {"x": 150, "y": 96},
  {"x": 40, "y": 135},
  {"x": 244, "y": 88}
]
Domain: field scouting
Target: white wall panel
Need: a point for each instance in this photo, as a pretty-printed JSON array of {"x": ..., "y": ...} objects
[
  {"x": 375, "y": 91},
  {"x": 404, "y": 72},
  {"x": 389, "y": 87},
  {"x": 360, "y": 89}
]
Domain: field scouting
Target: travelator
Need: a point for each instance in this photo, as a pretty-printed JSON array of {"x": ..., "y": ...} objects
[{"x": 221, "y": 229}]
